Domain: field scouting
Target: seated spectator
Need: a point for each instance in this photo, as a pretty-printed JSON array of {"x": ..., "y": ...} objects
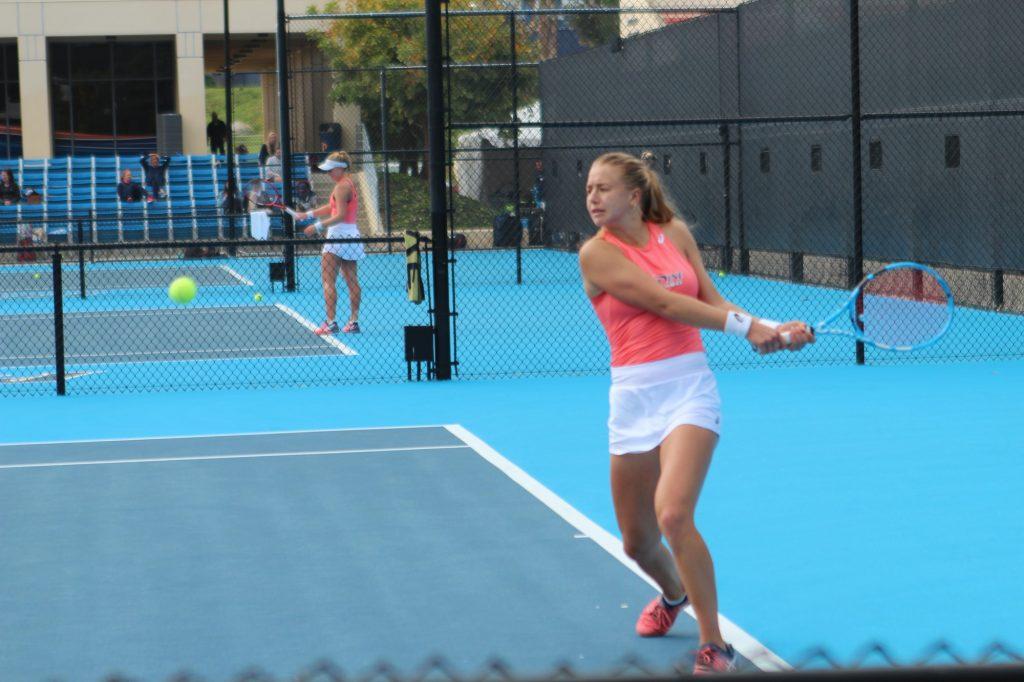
[
  {"x": 269, "y": 148},
  {"x": 272, "y": 168},
  {"x": 33, "y": 197},
  {"x": 241, "y": 149},
  {"x": 128, "y": 189},
  {"x": 154, "y": 167},
  {"x": 304, "y": 195},
  {"x": 230, "y": 200},
  {"x": 10, "y": 193}
]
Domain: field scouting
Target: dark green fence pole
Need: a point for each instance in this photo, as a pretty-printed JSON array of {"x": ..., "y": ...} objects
[
  {"x": 515, "y": 148},
  {"x": 438, "y": 210},
  {"x": 58, "y": 323},
  {"x": 81, "y": 262},
  {"x": 285, "y": 142},
  {"x": 856, "y": 271},
  {"x": 384, "y": 149}
]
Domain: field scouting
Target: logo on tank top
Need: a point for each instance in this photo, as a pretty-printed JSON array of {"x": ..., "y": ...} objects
[{"x": 670, "y": 281}]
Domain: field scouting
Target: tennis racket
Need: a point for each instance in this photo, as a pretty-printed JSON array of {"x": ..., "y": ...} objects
[
  {"x": 902, "y": 307},
  {"x": 265, "y": 194}
]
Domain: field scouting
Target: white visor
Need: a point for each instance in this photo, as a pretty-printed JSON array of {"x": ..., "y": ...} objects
[{"x": 330, "y": 164}]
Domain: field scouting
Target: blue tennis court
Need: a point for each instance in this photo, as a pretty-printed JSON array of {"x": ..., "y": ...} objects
[
  {"x": 846, "y": 506},
  {"x": 215, "y": 553}
]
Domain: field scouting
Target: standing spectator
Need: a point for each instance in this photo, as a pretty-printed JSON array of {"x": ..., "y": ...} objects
[
  {"x": 269, "y": 148},
  {"x": 128, "y": 190},
  {"x": 10, "y": 193},
  {"x": 154, "y": 168},
  {"x": 216, "y": 131}
]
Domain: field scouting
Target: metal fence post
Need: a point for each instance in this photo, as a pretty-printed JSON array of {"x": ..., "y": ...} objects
[
  {"x": 438, "y": 210},
  {"x": 58, "y": 323},
  {"x": 285, "y": 141},
  {"x": 856, "y": 271}
]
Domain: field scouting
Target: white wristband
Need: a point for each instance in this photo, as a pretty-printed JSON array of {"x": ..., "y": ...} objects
[
  {"x": 737, "y": 324},
  {"x": 319, "y": 227}
]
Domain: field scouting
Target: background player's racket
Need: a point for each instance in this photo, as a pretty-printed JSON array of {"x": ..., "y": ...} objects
[
  {"x": 904, "y": 306},
  {"x": 265, "y": 194}
]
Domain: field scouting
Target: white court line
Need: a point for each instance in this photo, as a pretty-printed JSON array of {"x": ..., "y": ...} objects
[
  {"x": 146, "y": 312},
  {"x": 230, "y": 434},
  {"x": 746, "y": 644},
  {"x": 327, "y": 338},
  {"x": 199, "y": 458},
  {"x": 234, "y": 273}
]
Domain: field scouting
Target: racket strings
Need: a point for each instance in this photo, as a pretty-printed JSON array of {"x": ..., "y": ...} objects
[{"x": 903, "y": 307}]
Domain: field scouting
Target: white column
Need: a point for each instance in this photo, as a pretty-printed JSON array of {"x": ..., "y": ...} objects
[
  {"x": 191, "y": 73},
  {"x": 34, "y": 83}
]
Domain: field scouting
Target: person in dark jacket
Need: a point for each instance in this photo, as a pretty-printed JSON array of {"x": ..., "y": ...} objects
[
  {"x": 216, "y": 131},
  {"x": 10, "y": 193},
  {"x": 128, "y": 189},
  {"x": 154, "y": 167}
]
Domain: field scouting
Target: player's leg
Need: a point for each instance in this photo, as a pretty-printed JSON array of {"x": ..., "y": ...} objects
[
  {"x": 328, "y": 277},
  {"x": 685, "y": 458},
  {"x": 634, "y": 480},
  {"x": 350, "y": 271}
]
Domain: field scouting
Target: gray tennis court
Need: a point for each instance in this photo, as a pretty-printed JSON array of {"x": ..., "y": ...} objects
[
  {"x": 211, "y": 553},
  {"x": 164, "y": 335},
  {"x": 104, "y": 277}
]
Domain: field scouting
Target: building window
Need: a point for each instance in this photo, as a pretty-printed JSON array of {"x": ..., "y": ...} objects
[
  {"x": 10, "y": 102},
  {"x": 105, "y": 95}
]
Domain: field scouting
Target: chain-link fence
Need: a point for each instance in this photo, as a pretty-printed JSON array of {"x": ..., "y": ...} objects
[
  {"x": 88, "y": 317},
  {"x": 939, "y": 662},
  {"x": 748, "y": 110}
]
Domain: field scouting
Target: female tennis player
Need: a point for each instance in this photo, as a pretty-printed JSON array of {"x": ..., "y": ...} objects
[
  {"x": 644, "y": 276},
  {"x": 337, "y": 220}
]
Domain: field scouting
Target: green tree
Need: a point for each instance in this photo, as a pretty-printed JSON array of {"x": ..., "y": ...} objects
[
  {"x": 596, "y": 29},
  {"x": 356, "y": 49}
]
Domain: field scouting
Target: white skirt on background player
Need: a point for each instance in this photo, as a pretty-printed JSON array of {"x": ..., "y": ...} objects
[
  {"x": 351, "y": 251},
  {"x": 649, "y": 400}
]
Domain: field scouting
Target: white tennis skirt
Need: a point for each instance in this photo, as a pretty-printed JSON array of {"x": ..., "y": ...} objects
[
  {"x": 350, "y": 251},
  {"x": 649, "y": 400}
]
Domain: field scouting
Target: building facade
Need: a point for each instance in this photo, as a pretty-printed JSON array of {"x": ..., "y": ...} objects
[{"x": 91, "y": 76}]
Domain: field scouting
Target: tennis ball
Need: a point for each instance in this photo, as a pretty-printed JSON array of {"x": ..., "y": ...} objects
[
  {"x": 36, "y": 276},
  {"x": 257, "y": 297},
  {"x": 182, "y": 290},
  {"x": 721, "y": 273}
]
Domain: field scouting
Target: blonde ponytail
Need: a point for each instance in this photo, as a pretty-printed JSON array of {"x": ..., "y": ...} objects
[{"x": 638, "y": 174}]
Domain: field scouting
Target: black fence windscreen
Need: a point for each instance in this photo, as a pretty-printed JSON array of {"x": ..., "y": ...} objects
[{"x": 748, "y": 111}]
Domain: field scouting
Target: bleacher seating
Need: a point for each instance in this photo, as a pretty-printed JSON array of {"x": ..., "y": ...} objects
[{"x": 77, "y": 189}]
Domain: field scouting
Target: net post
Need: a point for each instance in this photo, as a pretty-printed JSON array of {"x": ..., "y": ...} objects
[
  {"x": 58, "y": 323},
  {"x": 438, "y": 210}
]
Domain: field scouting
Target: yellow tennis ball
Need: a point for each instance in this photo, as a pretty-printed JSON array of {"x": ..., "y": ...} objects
[
  {"x": 257, "y": 297},
  {"x": 182, "y": 290},
  {"x": 721, "y": 273},
  {"x": 36, "y": 276}
]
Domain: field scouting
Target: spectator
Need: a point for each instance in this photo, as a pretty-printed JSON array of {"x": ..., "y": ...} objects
[
  {"x": 128, "y": 190},
  {"x": 269, "y": 148},
  {"x": 272, "y": 168},
  {"x": 10, "y": 193},
  {"x": 230, "y": 200},
  {"x": 537, "y": 191},
  {"x": 216, "y": 131},
  {"x": 241, "y": 149},
  {"x": 154, "y": 168}
]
